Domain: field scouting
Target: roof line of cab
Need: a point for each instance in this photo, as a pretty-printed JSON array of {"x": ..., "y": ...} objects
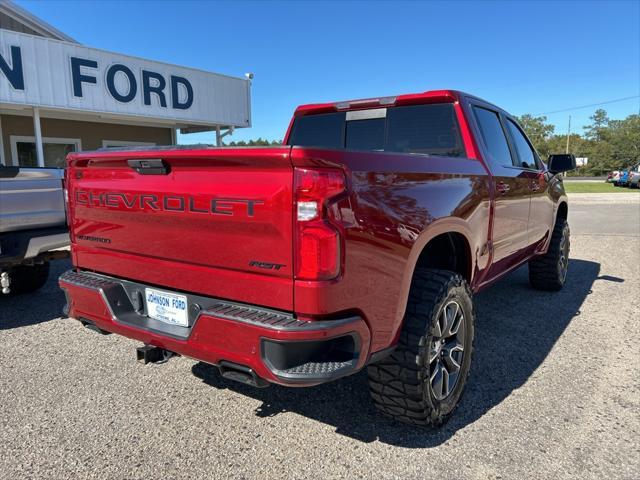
[{"x": 431, "y": 96}]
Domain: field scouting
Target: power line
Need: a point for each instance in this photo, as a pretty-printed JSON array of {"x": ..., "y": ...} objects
[{"x": 590, "y": 105}]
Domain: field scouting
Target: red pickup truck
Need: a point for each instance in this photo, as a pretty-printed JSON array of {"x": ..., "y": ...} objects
[{"x": 359, "y": 243}]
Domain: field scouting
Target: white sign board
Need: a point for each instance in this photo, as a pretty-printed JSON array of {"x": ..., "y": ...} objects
[
  {"x": 581, "y": 161},
  {"x": 43, "y": 72}
]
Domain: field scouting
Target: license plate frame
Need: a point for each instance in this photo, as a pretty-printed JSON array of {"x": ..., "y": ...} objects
[{"x": 167, "y": 307}]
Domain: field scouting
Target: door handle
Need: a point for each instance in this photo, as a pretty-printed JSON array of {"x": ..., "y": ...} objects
[
  {"x": 503, "y": 188},
  {"x": 535, "y": 186}
]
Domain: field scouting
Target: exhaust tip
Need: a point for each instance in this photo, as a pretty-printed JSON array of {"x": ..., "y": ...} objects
[
  {"x": 93, "y": 327},
  {"x": 242, "y": 374}
]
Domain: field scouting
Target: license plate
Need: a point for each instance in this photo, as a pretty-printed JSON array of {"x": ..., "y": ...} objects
[{"x": 167, "y": 307}]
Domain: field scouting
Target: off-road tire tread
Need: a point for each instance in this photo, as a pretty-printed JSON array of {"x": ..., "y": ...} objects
[
  {"x": 396, "y": 382},
  {"x": 543, "y": 270}
]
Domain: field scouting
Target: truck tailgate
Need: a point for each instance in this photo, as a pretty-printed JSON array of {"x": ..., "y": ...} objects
[{"x": 212, "y": 221}]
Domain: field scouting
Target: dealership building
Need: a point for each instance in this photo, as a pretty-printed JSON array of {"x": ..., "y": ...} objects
[{"x": 57, "y": 96}]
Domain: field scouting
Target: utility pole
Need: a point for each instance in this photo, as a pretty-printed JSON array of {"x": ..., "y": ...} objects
[{"x": 568, "y": 135}]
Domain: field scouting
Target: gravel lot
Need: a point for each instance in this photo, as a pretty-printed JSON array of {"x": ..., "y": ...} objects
[{"x": 554, "y": 391}]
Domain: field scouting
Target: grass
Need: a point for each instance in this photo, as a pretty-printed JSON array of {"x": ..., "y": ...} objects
[{"x": 596, "y": 187}]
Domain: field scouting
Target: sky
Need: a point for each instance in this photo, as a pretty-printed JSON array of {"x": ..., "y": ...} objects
[{"x": 526, "y": 57}]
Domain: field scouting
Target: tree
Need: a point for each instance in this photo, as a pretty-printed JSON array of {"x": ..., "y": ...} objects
[
  {"x": 624, "y": 138},
  {"x": 599, "y": 126},
  {"x": 608, "y": 144},
  {"x": 259, "y": 142},
  {"x": 599, "y": 149}
]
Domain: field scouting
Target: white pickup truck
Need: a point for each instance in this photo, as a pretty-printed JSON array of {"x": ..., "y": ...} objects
[{"x": 33, "y": 227}]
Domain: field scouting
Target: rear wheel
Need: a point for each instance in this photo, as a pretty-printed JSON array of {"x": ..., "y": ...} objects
[
  {"x": 549, "y": 271},
  {"x": 422, "y": 381},
  {"x": 28, "y": 278}
]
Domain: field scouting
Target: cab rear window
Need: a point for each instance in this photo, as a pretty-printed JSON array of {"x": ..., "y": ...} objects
[{"x": 423, "y": 129}]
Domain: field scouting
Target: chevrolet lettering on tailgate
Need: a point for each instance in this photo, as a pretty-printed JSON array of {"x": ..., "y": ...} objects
[{"x": 168, "y": 203}]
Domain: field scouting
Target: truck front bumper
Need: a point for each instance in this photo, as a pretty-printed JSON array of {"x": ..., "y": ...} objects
[{"x": 274, "y": 345}]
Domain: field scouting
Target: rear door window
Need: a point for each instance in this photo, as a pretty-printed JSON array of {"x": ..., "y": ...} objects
[
  {"x": 431, "y": 129},
  {"x": 422, "y": 129}
]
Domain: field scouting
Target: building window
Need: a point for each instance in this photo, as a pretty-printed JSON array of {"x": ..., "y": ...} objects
[{"x": 23, "y": 151}]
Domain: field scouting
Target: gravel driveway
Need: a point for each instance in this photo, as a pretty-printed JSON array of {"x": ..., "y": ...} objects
[{"x": 554, "y": 392}]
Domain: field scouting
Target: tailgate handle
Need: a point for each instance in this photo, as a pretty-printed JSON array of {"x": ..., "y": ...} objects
[{"x": 150, "y": 166}]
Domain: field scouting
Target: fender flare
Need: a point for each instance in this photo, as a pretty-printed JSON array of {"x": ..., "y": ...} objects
[
  {"x": 560, "y": 200},
  {"x": 438, "y": 227}
]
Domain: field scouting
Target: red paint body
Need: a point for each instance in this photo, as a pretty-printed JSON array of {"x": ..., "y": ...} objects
[{"x": 394, "y": 204}]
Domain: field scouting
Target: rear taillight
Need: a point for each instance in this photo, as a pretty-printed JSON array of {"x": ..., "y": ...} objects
[{"x": 318, "y": 239}]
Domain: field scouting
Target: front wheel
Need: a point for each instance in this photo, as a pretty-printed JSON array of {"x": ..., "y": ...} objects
[
  {"x": 549, "y": 271},
  {"x": 422, "y": 381}
]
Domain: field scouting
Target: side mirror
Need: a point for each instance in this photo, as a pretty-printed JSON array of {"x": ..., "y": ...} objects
[{"x": 561, "y": 163}]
